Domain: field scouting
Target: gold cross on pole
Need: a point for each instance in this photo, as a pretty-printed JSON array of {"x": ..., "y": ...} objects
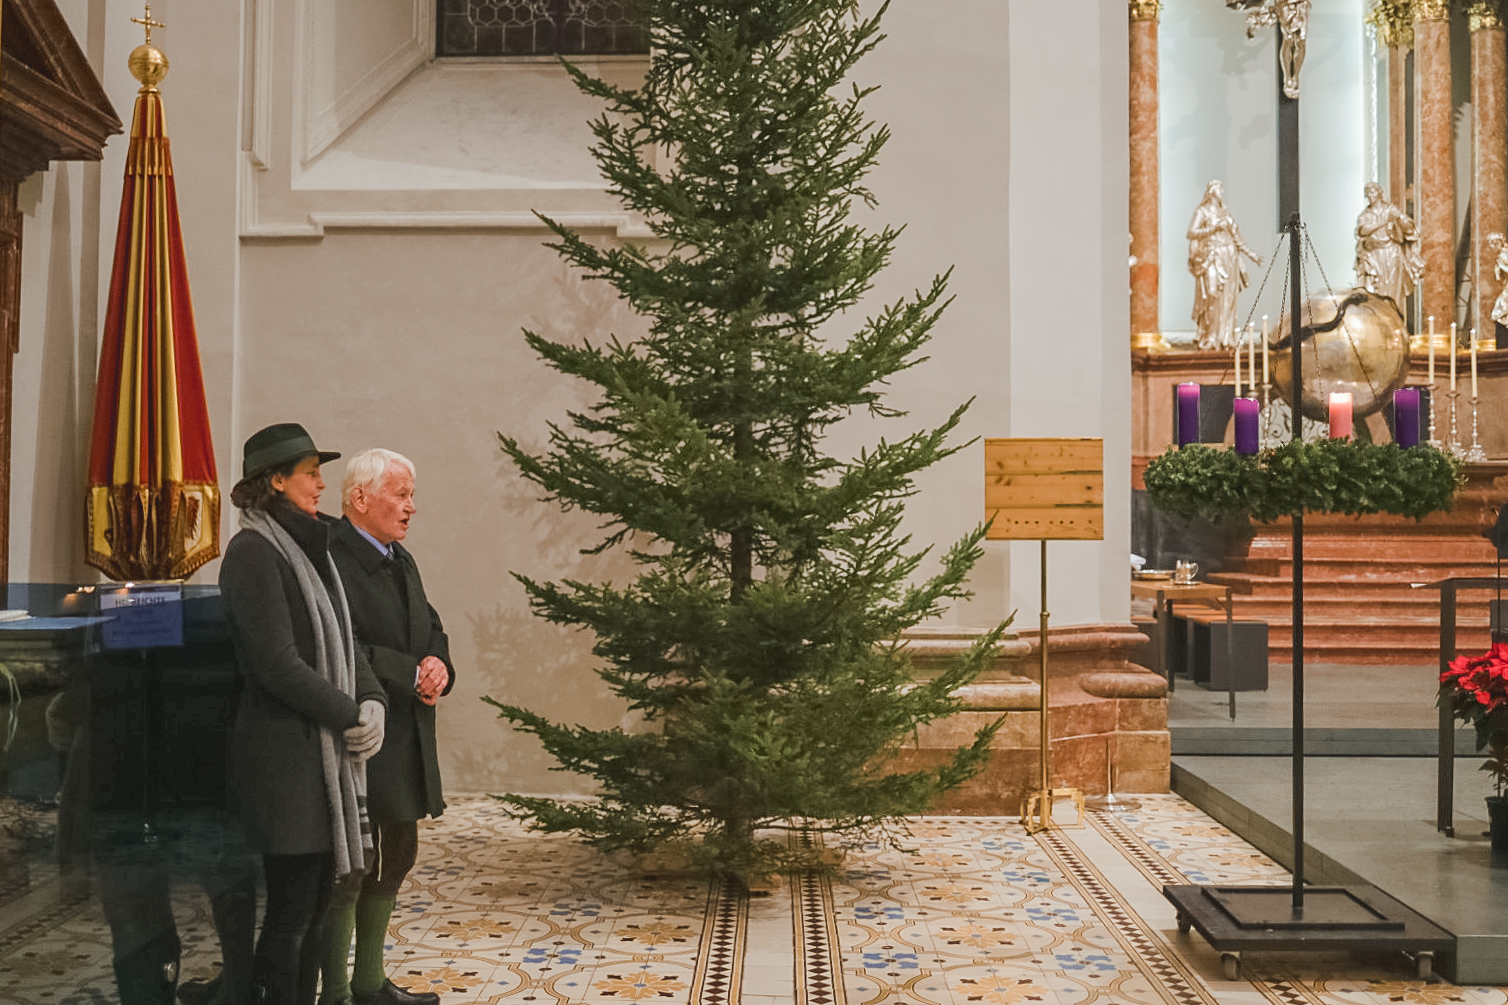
[{"x": 146, "y": 22}]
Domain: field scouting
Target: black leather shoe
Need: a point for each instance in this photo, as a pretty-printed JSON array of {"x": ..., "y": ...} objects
[
  {"x": 199, "y": 992},
  {"x": 392, "y": 994}
]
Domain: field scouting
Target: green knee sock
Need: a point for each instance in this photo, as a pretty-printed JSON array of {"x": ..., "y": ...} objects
[
  {"x": 372, "y": 916},
  {"x": 334, "y": 967}
]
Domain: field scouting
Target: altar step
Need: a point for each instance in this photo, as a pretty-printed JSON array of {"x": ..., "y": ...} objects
[
  {"x": 1360, "y": 606},
  {"x": 1380, "y": 620}
]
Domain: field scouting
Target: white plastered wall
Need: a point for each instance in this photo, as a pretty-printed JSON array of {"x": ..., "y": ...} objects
[
  {"x": 363, "y": 258},
  {"x": 1070, "y": 370}
]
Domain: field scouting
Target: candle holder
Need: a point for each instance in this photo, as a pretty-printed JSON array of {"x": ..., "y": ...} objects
[
  {"x": 1475, "y": 452},
  {"x": 1274, "y": 426},
  {"x": 1453, "y": 445},
  {"x": 1434, "y": 440}
]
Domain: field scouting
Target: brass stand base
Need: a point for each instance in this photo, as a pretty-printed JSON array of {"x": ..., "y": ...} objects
[
  {"x": 1036, "y": 811},
  {"x": 1112, "y": 803}
]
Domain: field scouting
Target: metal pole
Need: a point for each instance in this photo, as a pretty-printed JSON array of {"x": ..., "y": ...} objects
[
  {"x": 1288, "y": 218},
  {"x": 1046, "y": 745},
  {"x": 1295, "y": 332}
]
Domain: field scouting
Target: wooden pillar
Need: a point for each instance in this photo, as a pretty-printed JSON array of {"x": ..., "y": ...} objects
[
  {"x": 1146, "y": 327},
  {"x": 1436, "y": 192},
  {"x": 10, "y": 341},
  {"x": 1489, "y": 145}
]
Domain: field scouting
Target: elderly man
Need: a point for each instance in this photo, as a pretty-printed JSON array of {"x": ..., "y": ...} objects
[{"x": 407, "y": 648}]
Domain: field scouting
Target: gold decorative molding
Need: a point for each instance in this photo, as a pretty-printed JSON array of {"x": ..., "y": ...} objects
[
  {"x": 1431, "y": 10},
  {"x": 1394, "y": 22},
  {"x": 1485, "y": 14},
  {"x": 1145, "y": 10},
  {"x": 1149, "y": 342}
]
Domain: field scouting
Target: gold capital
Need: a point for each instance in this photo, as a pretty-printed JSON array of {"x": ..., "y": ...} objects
[
  {"x": 1431, "y": 10},
  {"x": 1394, "y": 23},
  {"x": 1484, "y": 14},
  {"x": 1145, "y": 10}
]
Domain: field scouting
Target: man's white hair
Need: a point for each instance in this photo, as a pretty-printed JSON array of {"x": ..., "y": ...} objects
[{"x": 365, "y": 471}]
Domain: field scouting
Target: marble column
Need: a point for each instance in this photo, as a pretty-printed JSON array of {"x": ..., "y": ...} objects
[
  {"x": 1398, "y": 134},
  {"x": 1489, "y": 126},
  {"x": 10, "y": 341},
  {"x": 1435, "y": 196},
  {"x": 1395, "y": 32},
  {"x": 1146, "y": 326}
]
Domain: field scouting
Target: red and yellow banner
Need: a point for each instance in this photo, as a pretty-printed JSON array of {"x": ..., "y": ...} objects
[{"x": 153, "y": 510}]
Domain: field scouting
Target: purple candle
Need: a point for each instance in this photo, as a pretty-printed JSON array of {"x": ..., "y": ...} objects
[
  {"x": 1247, "y": 410},
  {"x": 1188, "y": 413},
  {"x": 1406, "y": 416}
]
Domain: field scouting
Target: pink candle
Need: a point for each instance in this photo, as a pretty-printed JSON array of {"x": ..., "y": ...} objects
[{"x": 1340, "y": 415}]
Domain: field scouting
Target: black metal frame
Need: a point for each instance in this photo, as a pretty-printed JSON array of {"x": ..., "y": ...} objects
[{"x": 1233, "y": 919}]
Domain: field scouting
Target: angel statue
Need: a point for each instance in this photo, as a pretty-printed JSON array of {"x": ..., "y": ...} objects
[
  {"x": 1387, "y": 249},
  {"x": 1292, "y": 18},
  {"x": 1500, "y": 270},
  {"x": 1215, "y": 250}
]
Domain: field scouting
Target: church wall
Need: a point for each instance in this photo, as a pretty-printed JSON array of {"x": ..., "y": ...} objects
[
  {"x": 376, "y": 294},
  {"x": 54, "y": 375},
  {"x": 410, "y": 337},
  {"x": 1069, "y": 371},
  {"x": 412, "y": 341},
  {"x": 944, "y": 176}
]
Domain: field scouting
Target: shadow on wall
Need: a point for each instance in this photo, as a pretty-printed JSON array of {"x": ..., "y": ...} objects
[{"x": 520, "y": 658}]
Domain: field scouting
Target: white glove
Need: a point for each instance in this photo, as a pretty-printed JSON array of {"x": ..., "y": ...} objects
[{"x": 365, "y": 738}]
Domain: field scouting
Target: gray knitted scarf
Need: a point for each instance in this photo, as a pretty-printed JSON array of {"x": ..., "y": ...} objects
[{"x": 335, "y": 661}]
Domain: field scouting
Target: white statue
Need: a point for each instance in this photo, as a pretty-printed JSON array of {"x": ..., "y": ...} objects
[
  {"x": 1215, "y": 250},
  {"x": 1500, "y": 248},
  {"x": 1387, "y": 254}
]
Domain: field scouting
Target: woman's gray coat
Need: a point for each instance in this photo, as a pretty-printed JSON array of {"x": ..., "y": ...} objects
[{"x": 276, "y": 784}]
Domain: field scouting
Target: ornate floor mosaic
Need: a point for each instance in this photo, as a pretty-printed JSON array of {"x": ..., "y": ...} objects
[{"x": 975, "y": 911}]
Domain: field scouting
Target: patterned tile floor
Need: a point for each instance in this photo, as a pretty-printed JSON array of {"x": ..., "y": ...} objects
[{"x": 976, "y": 911}]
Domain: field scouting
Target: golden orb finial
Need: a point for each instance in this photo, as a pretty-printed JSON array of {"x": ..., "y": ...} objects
[{"x": 146, "y": 62}]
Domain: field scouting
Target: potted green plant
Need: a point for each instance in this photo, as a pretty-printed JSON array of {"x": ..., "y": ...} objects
[{"x": 1477, "y": 689}]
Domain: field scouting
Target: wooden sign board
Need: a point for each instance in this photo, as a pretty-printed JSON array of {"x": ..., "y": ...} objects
[{"x": 1042, "y": 489}]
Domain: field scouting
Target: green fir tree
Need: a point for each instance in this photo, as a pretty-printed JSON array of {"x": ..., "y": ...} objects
[{"x": 760, "y": 639}]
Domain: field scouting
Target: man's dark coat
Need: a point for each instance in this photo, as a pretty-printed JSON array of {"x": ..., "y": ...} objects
[{"x": 396, "y": 628}]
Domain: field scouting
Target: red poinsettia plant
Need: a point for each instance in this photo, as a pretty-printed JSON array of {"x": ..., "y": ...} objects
[{"x": 1477, "y": 689}]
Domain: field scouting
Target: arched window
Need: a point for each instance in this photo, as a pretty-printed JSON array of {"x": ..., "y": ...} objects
[{"x": 540, "y": 27}]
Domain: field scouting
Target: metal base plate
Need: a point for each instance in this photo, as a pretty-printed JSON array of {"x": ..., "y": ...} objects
[{"x": 1235, "y": 918}]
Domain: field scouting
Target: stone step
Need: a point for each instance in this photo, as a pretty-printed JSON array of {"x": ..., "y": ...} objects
[
  {"x": 1401, "y": 569},
  {"x": 1343, "y": 610}
]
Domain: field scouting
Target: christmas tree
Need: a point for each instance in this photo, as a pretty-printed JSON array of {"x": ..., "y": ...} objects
[{"x": 760, "y": 640}]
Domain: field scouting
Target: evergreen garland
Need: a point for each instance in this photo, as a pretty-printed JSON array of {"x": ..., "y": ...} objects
[
  {"x": 760, "y": 639},
  {"x": 1325, "y": 476}
]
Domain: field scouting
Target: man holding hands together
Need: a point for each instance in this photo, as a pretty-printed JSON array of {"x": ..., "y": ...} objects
[{"x": 410, "y": 654}]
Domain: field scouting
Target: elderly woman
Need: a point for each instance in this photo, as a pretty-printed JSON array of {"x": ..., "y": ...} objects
[{"x": 310, "y": 713}]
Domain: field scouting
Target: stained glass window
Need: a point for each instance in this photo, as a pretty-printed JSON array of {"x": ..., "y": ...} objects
[{"x": 540, "y": 27}]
